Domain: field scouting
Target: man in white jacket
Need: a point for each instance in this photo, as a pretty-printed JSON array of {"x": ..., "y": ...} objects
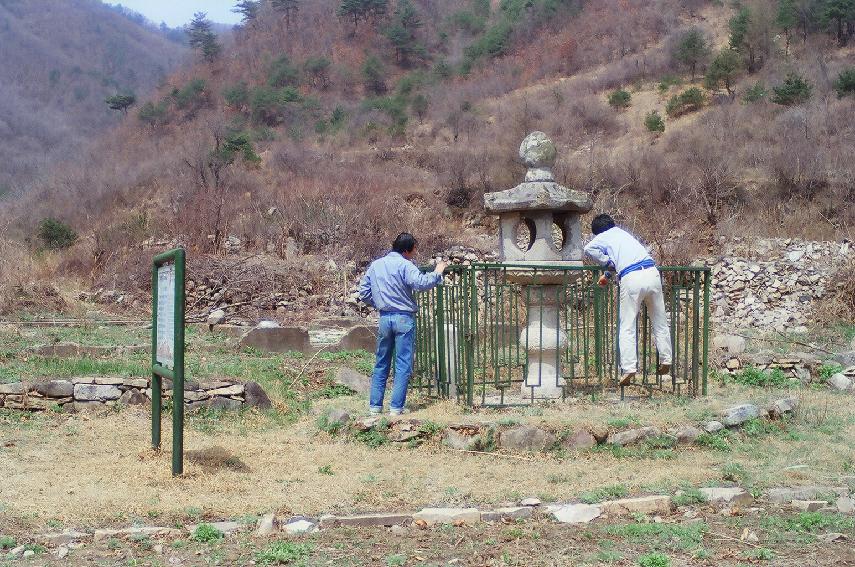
[{"x": 640, "y": 282}]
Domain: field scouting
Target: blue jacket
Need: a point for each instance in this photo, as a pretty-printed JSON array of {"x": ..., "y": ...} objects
[{"x": 390, "y": 281}]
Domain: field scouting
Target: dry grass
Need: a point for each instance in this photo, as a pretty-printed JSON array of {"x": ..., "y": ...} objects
[{"x": 100, "y": 470}]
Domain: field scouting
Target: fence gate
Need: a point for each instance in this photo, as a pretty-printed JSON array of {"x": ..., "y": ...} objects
[{"x": 474, "y": 340}]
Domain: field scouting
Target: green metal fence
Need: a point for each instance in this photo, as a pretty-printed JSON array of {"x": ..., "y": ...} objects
[{"x": 475, "y": 344}]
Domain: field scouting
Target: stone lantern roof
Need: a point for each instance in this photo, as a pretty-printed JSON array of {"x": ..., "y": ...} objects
[{"x": 539, "y": 192}]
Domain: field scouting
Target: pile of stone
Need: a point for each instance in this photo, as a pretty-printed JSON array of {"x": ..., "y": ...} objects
[
  {"x": 94, "y": 392},
  {"x": 771, "y": 284},
  {"x": 802, "y": 368},
  {"x": 530, "y": 438}
]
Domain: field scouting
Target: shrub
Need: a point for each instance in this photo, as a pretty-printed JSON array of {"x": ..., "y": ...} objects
[
  {"x": 7, "y": 542},
  {"x": 619, "y": 98},
  {"x": 654, "y": 560},
  {"x": 653, "y": 122},
  {"x": 269, "y": 106},
  {"x": 828, "y": 370},
  {"x": 55, "y": 234},
  {"x": 845, "y": 83},
  {"x": 794, "y": 90},
  {"x": 667, "y": 82},
  {"x": 192, "y": 96},
  {"x": 284, "y": 552},
  {"x": 689, "y": 100},
  {"x": 751, "y": 376},
  {"x": 717, "y": 441},
  {"x": 494, "y": 43},
  {"x": 236, "y": 95},
  {"x": 605, "y": 493},
  {"x": 756, "y": 93},
  {"x": 374, "y": 75},
  {"x": 319, "y": 70},
  {"x": 282, "y": 73},
  {"x": 153, "y": 114},
  {"x": 689, "y": 497},
  {"x": 205, "y": 533}
]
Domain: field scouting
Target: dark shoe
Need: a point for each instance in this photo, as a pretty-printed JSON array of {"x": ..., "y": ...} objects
[
  {"x": 663, "y": 369},
  {"x": 626, "y": 379}
]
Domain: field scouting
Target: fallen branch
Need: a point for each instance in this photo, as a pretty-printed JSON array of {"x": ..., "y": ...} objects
[
  {"x": 731, "y": 538},
  {"x": 494, "y": 454},
  {"x": 787, "y": 341}
]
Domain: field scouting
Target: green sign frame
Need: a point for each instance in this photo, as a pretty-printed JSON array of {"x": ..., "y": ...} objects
[{"x": 167, "y": 356}]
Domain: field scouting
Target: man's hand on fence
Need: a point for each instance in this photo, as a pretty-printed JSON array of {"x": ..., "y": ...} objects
[{"x": 440, "y": 267}]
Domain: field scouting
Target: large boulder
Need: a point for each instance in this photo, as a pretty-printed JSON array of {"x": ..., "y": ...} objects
[
  {"x": 737, "y": 415},
  {"x": 96, "y": 392},
  {"x": 526, "y": 438},
  {"x": 55, "y": 388},
  {"x": 255, "y": 396},
  {"x": 840, "y": 382},
  {"x": 632, "y": 436},
  {"x": 356, "y": 381},
  {"x": 579, "y": 441}
]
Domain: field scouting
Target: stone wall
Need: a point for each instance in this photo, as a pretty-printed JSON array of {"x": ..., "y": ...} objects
[{"x": 93, "y": 392}]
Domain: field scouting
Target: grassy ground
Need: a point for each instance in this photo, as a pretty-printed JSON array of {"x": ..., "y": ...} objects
[{"x": 96, "y": 471}]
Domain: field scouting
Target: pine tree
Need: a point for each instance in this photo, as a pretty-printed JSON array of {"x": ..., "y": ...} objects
[
  {"x": 249, "y": 9},
  {"x": 842, "y": 14},
  {"x": 692, "y": 49},
  {"x": 288, "y": 7},
  {"x": 362, "y": 10},
  {"x": 202, "y": 38},
  {"x": 723, "y": 71},
  {"x": 787, "y": 19},
  {"x": 401, "y": 32},
  {"x": 121, "y": 102}
]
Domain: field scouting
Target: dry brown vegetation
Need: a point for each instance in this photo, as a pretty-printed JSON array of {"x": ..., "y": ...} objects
[
  {"x": 348, "y": 163},
  {"x": 58, "y": 62}
]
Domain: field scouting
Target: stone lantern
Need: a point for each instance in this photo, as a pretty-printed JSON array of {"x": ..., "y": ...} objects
[{"x": 552, "y": 214}]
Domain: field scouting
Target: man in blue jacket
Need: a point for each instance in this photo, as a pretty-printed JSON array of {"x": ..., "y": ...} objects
[
  {"x": 640, "y": 284},
  {"x": 388, "y": 286}
]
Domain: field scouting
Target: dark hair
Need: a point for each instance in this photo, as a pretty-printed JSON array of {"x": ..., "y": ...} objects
[
  {"x": 404, "y": 243},
  {"x": 602, "y": 223}
]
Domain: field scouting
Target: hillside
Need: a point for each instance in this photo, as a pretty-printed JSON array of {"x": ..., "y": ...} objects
[
  {"x": 58, "y": 63},
  {"x": 320, "y": 133}
]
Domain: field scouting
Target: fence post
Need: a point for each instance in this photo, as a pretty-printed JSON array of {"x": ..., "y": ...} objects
[
  {"x": 441, "y": 336},
  {"x": 707, "y": 278},
  {"x": 472, "y": 324}
]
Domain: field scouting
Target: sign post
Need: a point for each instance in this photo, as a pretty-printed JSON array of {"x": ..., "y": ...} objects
[{"x": 167, "y": 348}]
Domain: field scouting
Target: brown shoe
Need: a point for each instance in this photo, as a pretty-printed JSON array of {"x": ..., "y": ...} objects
[
  {"x": 663, "y": 369},
  {"x": 626, "y": 379}
]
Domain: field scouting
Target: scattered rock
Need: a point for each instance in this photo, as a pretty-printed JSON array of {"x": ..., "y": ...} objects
[
  {"x": 530, "y": 502},
  {"x": 14, "y": 388},
  {"x": 632, "y": 436},
  {"x": 576, "y": 513},
  {"x": 354, "y": 380},
  {"x": 738, "y": 415},
  {"x": 99, "y": 393},
  {"x": 233, "y": 390},
  {"x": 713, "y": 426},
  {"x": 366, "y": 423},
  {"x": 266, "y": 525},
  {"x": 301, "y": 526},
  {"x": 840, "y": 382},
  {"x": 643, "y": 505},
  {"x": 255, "y": 397},
  {"x": 217, "y": 317},
  {"x": 55, "y": 388},
  {"x": 727, "y": 495},
  {"x": 367, "y": 520},
  {"x": 733, "y": 344},
  {"x": 338, "y": 416},
  {"x": 782, "y": 407},
  {"x": 579, "y": 441},
  {"x": 61, "y": 552},
  {"x": 809, "y": 505},
  {"x": 526, "y": 438},
  {"x": 687, "y": 434},
  {"x": 133, "y": 398},
  {"x": 846, "y": 505},
  {"x": 462, "y": 440},
  {"x": 600, "y": 432},
  {"x": 433, "y": 516},
  {"x": 67, "y": 536},
  {"x": 784, "y": 495},
  {"x": 509, "y": 513}
]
